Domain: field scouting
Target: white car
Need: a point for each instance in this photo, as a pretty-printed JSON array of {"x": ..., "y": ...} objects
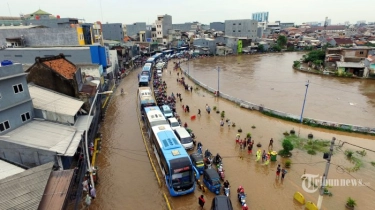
[
  {"x": 174, "y": 123},
  {"x": 160, "y": 74}
]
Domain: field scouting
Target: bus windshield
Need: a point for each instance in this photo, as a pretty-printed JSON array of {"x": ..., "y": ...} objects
[{"x": 183, "y": 177}]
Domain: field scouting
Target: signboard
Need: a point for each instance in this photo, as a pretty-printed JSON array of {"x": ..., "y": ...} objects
[{"x": 107, "y": 56}]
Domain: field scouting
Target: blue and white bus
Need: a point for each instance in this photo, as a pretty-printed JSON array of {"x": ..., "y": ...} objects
[
  {"x": 157, "y": 56},
  {"x": 152, "y": 61},
  {"x": 154, "y": 117},
  {"x": 143, "y": 81},
  {"x": 145, "y": 98},
  {"x": 146, "y": 70}
]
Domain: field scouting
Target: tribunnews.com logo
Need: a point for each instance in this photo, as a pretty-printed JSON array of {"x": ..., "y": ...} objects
[{"x": 311, "y": 182}]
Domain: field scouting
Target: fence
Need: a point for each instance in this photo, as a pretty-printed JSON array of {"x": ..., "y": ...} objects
[{"x": 286, "y": 116}]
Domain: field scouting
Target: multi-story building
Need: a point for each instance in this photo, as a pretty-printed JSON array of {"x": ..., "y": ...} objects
[
  {"x": 185, "y": 27},
  {"x": 113, "y": 31},
  {"x": 241, "y": 28},
  {"x": 135, "y": 28},
  {"x": 260, "y": 16},
  {"x": 217, "y": 26},
  {"x": 16, "y": 107},
  {"x": 163, "y": 24}
]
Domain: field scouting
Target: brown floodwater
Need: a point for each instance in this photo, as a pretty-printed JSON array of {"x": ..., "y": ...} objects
[
  {"x": 269, "y": 79},
  {"x": 128, "y": 182}
]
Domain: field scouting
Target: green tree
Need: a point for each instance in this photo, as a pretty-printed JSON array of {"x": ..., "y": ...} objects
[
  {"x": 281, "y": 40},
  {"x": 296, "y": 64},
  {"x": 276, "y": 48},
  {"x": 261, "y": 48},
  {"x": 287, "y": 146},
  {"x": 314, "y": 55}
]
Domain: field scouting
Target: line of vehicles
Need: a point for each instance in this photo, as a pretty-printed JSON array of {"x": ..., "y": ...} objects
[{"x": 170, "y": 143}]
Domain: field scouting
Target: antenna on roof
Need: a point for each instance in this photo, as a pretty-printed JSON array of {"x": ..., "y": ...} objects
[{"x": 10, "y": 14}]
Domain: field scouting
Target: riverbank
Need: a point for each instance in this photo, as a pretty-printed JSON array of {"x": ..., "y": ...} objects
[
  {"x": 313, "y": 71},
  {"x": 286, "y": 116}
]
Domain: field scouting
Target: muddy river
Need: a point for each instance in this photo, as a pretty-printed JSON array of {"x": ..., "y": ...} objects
[{"x": 127, "y": 180}]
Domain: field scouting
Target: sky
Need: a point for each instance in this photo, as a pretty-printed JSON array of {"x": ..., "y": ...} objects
[{"x": 203, "y": 11}]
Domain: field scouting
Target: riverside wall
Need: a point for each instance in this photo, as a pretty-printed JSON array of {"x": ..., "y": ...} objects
[{"x": 283, "y": 115}]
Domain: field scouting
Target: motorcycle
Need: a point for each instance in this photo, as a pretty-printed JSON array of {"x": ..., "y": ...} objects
[
  {"x": 207, "y": 153},
  {"x": 199, "y": 148},
  {"x": 226, "y": 191},
  {"x": 242, "y": 198},
  {"x": 220, "y": 171}
]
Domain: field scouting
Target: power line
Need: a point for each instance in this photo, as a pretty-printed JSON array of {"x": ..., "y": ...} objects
[{"x": 345, "y": 142}]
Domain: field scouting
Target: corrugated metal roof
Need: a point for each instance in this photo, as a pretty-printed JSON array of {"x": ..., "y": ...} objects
[
  {"x": 45, "y": 135},
  {"x": 52, "y": 101},
  {"x": 56, "y": 190},
  {"x": 24, "y": 190},
  {"x": 18, "y": 27},
  {"x": 8, "y": 169},
  {"x": 81, "y": 122}
]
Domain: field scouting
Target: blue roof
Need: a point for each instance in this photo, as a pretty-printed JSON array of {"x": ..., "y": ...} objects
[
  {"x": 143, "y": 79},
  {"x": 146, "y": 68},
  {"x": 152, "y": 108},
  {"x": 172, "y": 148}
]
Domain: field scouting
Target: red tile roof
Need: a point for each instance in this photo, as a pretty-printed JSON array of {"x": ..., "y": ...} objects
[
  {"x": 62, "y": 66},
  {"x": 345, "y": 41}
]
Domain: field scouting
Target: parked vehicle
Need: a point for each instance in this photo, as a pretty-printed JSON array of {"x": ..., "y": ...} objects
[
  {"x": 185, "y": 138},
  {"x": 241, "y": 195},
  {"x": 221, "y": 202},
  {"x": 226, "y": 191},
  {"x": 220, "y": 171},
  {"x": 174, "y": 123},
  {"x": 212, "y": 180},
  {"x": 166, "y": 111},
  {"x": 198, "y": 163}
]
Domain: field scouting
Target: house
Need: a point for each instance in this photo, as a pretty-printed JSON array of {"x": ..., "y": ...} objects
[
  {"x": 223, "y": 50},
  {"x": 343, "y": 42},
  {"x": 207, "y": 45},
  {"x": 37, "y": 188},
  {"x": 356, "y": 69},
  {"x": 16, "y": 107},
  {"x": 370, "y": 66}
]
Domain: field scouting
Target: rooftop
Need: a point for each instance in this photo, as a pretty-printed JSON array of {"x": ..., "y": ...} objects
[
  {"x": 45, "y": 135},
  {"x": 48, "y": 100},
  {"x": 40, "y": 12},
  {"x": 56, "y": 190},
  {"x": 20, "y": 27},
  {"x": 8, "y": 169},
  {"x": 24, "y": 190},
  {"x": 60, "y": 65},
  {"x": 349, "y": 64}
]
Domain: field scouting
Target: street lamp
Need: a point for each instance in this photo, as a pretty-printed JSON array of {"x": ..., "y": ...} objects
[
  {"x": 304, "y": 100},
  {"x": 87, "y": 129},
  {"x": 218, "y": 81}
]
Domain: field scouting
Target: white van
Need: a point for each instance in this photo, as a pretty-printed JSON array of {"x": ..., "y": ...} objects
[
  {"x": 185, "y": 138},
  {"x": 174, "y": 123}
]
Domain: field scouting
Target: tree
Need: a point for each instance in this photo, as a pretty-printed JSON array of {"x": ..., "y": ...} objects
[
  {"x": 296, "y": 64},
  {"x": 287, "y": 146},
  {"x": 314, "y": 55},
  {"x": 281, "y": 40},
  {"x": 261, "y": 48},
  {"x": 277, "y": 48}
]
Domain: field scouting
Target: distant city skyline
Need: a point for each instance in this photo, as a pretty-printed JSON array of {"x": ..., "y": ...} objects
[{"x": 115, "y": 11}]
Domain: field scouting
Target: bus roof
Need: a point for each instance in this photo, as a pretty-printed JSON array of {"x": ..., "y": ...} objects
[
  {"x": 144, "y": 91},
  {"x": 155, "y": 116},
  {"x": 146, "y": 68},
  {"x": 143, "y": 79},
  {"x": 166, "y": 138},
  {"x": 150, "y": 59},
  {"x": 147, "y": 64},
  {"x": 147, "y": 99}
]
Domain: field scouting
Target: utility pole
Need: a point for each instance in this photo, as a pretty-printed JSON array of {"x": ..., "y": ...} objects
[
  {"x": 218, "y": 81},
  {"x": 326, "y": 156},
  {"x": 304, "y": 100}
]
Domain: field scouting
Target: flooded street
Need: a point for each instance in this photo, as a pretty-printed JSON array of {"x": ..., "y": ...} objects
[
  {"x": 128, "y": 182},
  {"x": 269, "y": 79}
]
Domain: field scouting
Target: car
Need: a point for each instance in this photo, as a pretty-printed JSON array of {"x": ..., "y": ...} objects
[
  {"x": 173, "y": 123},
  {"x": 221, "y": 202},
  {"x": 160, "y": 74},
  {"x": 166, "y": 110}
]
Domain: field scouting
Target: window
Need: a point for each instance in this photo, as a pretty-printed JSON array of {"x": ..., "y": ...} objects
[
  {"x": 239, "y": 24},
  {"x": 234, "y": 30},
  {"x": 18, "y": 88},
  {"x": 18, "y": 56},
  {"x": 4, "y": 126},
  {"x": 239, "y": 30},
  {"x": 7, "y": 56},
  {"x": 25, "y": 116},
  {"x": 361, "y": 52},
  {"x": 234, "y": 24}
]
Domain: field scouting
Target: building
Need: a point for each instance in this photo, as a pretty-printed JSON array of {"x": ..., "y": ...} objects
[
  {"x": 241, "y": 28},
  {"x": 113, "y": 31},
  {"x": 217, "y": 26},
  {"x": 185, "y": 27},
  {"x": 260, "y": 16},
  {"x": 135, "y": 28},
  {"x": 286, "y": 25},
  {"x": 16, "y": 107},
  {"x": 40, "y": 18},
  {"x": 205, "y": 45},
  {"x": 28, "y": 36},
  {"x": 162, "y": 25}
]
